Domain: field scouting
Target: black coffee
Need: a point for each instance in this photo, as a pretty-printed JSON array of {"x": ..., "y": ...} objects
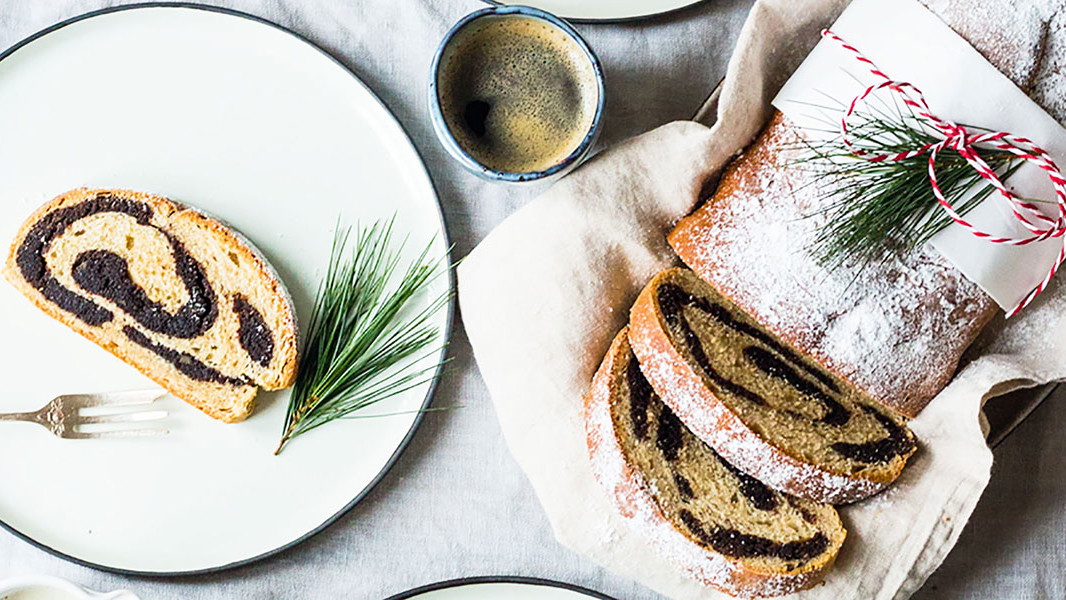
[{"x": 517, "y": 93}]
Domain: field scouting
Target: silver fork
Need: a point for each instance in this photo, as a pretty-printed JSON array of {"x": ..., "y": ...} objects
[{"x": 63, "y": 416}]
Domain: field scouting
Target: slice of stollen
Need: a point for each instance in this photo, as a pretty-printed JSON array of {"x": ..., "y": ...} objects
[
  {"x": 766, "y": 408},
  {"x": 174, "y": 293},
  {"x": 721, "y": 526}
]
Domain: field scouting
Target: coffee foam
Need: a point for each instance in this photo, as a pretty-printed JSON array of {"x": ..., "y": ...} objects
[{"x": 538, "y": 86}]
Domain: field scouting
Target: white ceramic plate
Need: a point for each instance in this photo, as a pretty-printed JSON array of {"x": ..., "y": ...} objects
[
  {"x": 603, "y": 10},
  {"x": 488, "y": 588},
  {"x": 254, "y": 125}
]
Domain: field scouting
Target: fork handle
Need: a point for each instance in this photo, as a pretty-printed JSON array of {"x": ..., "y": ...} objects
[{"x": 19, "y": 416}]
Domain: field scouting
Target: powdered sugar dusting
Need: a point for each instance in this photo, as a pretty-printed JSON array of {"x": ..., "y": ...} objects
[{"x": 895, "y": 329}]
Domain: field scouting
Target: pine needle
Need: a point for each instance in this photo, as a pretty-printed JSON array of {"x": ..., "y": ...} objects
[
  {"x": 365, "y": 343},
  {"x": 876, "y": 210}
]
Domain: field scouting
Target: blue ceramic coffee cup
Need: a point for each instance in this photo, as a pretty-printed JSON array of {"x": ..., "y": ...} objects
[{"x": 459, "y": 144}]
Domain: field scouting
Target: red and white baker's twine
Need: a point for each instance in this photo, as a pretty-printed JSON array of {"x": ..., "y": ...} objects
[{"x": 958, "y": 138}]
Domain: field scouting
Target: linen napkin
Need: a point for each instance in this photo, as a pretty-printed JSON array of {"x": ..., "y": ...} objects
[{"x": 543, "y": 295}]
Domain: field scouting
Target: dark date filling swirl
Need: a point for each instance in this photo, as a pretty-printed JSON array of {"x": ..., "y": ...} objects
[
  {"x": 670, "y": 438},
  {"x": 777, "y": 361},
  {"x": 105, "y": 274}
]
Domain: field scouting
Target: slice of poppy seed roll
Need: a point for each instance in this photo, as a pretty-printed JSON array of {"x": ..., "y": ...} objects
[
  {"x": 176, "y": 294},
  {"x": 721, "y": 526},
  {"x": 768, "y": 409}
]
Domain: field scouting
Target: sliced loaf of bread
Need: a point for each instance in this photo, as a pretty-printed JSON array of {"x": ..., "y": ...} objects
[
  {"x": 895, "y": 328},
  {"x": 723, "y": 527},
  {"x": 174, "y": 293},
  {"x": 766, "y": 408}
]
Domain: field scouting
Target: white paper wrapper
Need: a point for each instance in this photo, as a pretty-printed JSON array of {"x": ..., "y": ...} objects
[
  {"x": 900, "y": 37},
  {"x": 544, "y": 294}
]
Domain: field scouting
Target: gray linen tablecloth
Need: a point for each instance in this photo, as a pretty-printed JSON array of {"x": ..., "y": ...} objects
[{"x": 456, "y": 504}]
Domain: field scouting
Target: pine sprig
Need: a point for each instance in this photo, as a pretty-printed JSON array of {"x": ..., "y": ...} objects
[
  {"x": 364, "y": 343},
  {"x": 874, "y": 210}
]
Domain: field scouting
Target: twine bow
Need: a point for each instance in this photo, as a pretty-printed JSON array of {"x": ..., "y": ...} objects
[{"x": 958, "y": 138}]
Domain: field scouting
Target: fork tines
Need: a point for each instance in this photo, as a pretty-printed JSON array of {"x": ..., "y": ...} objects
[
  {"x": 127, "y": 398},
  {"x": 98, "y": 402}
]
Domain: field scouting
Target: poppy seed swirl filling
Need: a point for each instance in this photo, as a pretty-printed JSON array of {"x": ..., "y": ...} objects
[
  {"x": 253, "y": 334},
  {"x": 772, "y": 388},
  {"x": 705, "y": 495},
  {"x": 105, "y": 274}
]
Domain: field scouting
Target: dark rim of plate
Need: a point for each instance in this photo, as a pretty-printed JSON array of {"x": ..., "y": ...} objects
[
  {"x": 464, "y": 581},
  {"x": 590, "y": 21},
  {"x": 449, "y": 317}
]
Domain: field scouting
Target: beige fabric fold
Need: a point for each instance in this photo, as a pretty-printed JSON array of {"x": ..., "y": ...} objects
[{"x": 542, "y": 296}]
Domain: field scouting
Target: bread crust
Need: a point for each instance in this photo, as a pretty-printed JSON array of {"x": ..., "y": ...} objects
[
  {"x": 683, "y": 389},
  {"x": 633, "y": 500},
  {"x": 229, "y": 404}
]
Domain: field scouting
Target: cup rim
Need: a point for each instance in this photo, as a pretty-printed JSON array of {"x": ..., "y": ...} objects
[{"x": 445, "y": 134}]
